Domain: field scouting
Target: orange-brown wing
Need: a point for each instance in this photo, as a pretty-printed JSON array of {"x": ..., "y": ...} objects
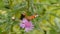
[{"x": 32, "y": 17}]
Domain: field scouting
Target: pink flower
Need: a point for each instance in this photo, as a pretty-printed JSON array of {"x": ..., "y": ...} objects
[{"x": 27, "y": 25}]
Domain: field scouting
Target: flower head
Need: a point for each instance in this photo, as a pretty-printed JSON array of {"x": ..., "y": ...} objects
[{"x": 27, "y": 25}]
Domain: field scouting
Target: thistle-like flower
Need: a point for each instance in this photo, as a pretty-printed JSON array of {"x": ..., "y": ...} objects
[{"x": 27, "y": 25}]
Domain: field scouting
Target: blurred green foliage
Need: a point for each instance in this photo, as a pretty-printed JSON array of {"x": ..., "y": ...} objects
[{"x": 48, "y": 19}]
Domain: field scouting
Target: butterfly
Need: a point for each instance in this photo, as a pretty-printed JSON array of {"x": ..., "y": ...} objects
[{"x": 28, "y": 17}]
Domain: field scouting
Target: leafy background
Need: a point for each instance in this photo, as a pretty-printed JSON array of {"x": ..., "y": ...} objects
[{"x": 48, "y": 19}]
